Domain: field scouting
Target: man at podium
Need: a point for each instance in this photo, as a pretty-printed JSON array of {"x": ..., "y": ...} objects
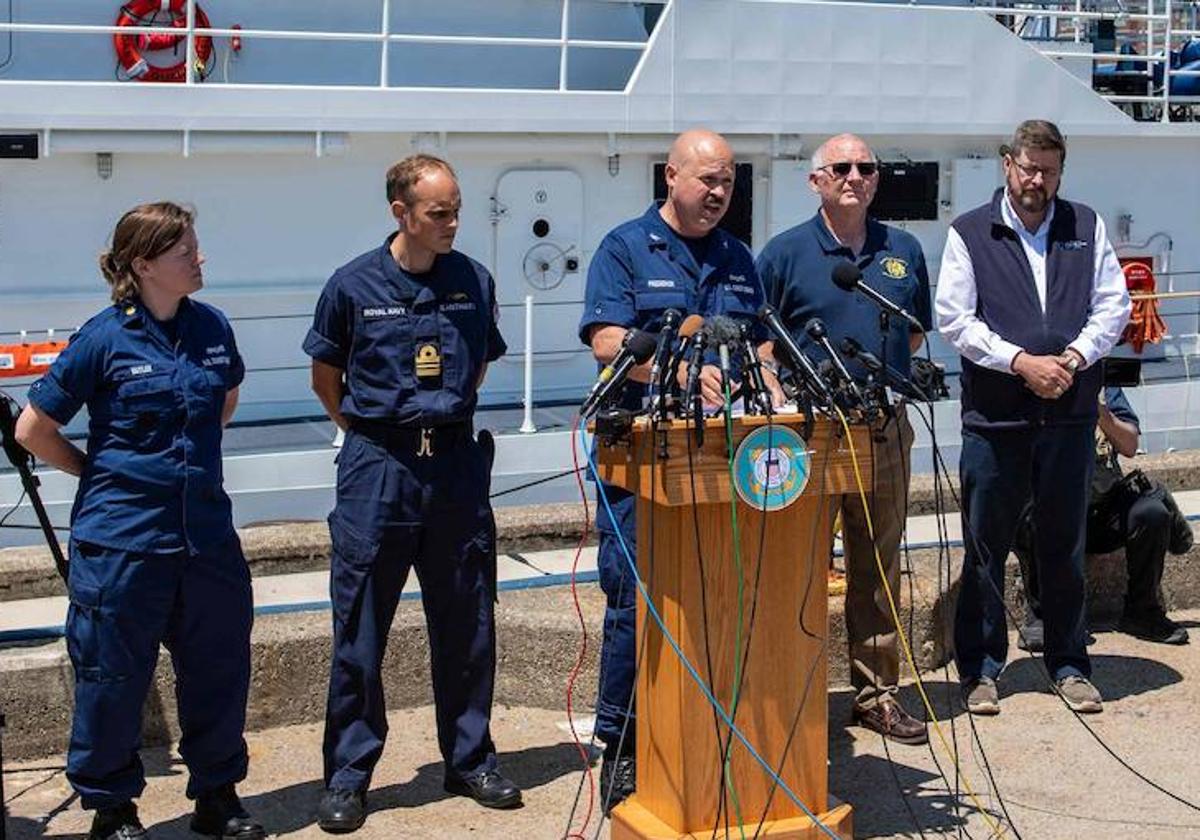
[
  {"x": 796, "y": 268},
  {"x": 671, "y": 257}
]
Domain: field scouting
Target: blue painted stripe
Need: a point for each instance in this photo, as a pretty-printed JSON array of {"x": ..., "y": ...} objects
[{"x": 39, "y": 634}]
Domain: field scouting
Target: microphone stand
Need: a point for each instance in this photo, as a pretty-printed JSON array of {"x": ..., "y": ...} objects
[{"x": 22, "y": 462}]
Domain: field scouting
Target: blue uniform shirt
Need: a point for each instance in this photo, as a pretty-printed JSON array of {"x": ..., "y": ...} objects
[
  {"x": 152, "y": 478},
  {"x": 796, "y": 269},
  {"x": 1119, "y": 405},
  {"x": 372, "y": 320},
  {"x": 643, "y": 267}
]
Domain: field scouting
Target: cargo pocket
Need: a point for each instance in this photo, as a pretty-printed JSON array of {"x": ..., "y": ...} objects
[
  {"x": 94, "y": 641},
  {"x": 351, "y": 563}
]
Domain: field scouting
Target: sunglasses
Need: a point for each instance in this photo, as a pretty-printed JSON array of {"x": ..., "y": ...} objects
[{"x": 842, "y": 169}]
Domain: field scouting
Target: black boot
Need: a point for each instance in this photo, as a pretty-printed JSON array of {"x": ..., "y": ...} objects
[
  {"x": 618, "y": 778},
  {"x": 219, "y": 813},
  {"x": 342, "y": 811},
  {"x": 489, "y": 789},
  {"x": 117, "y": 823}
]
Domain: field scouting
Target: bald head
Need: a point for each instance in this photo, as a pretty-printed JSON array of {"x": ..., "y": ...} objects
[
  {"x": 699, "y": 143},
  {"x": 846, "y": 196},
  {"x": 699, "y": 176}
]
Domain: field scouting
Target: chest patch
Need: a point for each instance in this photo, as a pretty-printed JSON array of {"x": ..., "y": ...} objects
[
  {"x": 894, "y": 267},
  {"x": 388, "y": 311},
  {"x": 138, "y": 370},
  {"x": 1074, "y": 245},
  {"x": 663, "y": 283}
]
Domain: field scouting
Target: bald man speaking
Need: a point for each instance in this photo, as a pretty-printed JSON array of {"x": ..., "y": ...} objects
[{"x": 673, "y": 257}]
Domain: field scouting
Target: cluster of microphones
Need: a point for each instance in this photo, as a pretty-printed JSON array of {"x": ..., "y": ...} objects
[{"x": 681, "y": 348}]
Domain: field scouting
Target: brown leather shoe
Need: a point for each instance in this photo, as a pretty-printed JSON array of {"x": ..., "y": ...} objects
[{"x": 890, "y": 720}]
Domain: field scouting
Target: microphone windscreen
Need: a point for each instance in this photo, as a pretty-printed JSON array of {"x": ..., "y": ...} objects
[
  {"x": 689, "y": 326},
  {"x": 846, "y": 276},
  {"x": 815, "y": 328},
  {"x": 641, "y": 345},
  {"x": 723, "y": 330}
]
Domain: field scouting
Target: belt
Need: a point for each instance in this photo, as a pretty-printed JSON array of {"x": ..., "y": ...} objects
[{"x": 424, "y": 440}]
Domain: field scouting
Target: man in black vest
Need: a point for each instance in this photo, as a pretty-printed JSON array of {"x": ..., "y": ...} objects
[{"x": 1031, "y": 294}]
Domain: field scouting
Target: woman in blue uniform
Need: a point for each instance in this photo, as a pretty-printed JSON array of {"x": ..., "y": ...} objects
[{"x": 154, "y": 557}]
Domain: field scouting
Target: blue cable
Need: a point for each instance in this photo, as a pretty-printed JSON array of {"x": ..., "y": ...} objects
[{"x": 692, "y": 672}]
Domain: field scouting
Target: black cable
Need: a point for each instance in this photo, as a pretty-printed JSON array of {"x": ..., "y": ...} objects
[
  {"x": 13, "y": 509},
  {"x": 986, "y": 557},
  {"x": 537, "y": 481}
]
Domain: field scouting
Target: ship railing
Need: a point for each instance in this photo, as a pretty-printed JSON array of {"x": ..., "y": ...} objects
[{"x": 384, "y": 37}]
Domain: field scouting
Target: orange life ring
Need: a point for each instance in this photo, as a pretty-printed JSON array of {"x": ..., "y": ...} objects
[{"x": 129, "y": 47}]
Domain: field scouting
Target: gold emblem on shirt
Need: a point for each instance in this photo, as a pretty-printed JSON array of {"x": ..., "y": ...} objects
[
  {"x": 429, "y": 361},
  {"x": 894, "y": 267}
]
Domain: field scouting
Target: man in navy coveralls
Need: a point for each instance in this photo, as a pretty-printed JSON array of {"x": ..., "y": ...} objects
[{"x": 400, "y": 342}]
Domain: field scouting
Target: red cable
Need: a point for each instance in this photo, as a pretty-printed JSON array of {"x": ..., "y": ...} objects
[{"x": 584, "y": 753}]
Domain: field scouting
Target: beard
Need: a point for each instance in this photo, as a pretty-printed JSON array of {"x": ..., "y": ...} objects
[{"x": 1033, "y": 199}]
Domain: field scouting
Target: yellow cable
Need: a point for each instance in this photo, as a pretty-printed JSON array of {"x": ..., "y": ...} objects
[{"x": 997, "y": 829}]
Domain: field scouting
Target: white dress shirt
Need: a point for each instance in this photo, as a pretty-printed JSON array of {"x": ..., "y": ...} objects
[{"x": 957, "y": 296}]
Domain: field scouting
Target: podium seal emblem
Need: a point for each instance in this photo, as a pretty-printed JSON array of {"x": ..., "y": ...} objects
[{"x": 771, "y": 467}]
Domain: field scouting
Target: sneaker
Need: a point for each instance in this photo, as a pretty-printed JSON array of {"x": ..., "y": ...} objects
[
  {"x": 1080, "y": 695},
  {"x": 119, "y": 822},
  {"x": 981, "y": 696},
  {"x": 1032, "y": 636},
  {"x": 618, "y": 779},
  {"x": 1154, "y": 628},
  {"x": 890, "y": 720},
  {"x": 219, "y": 813}
]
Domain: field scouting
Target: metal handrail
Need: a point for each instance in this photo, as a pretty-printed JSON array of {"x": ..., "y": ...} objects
[{"x": 384, "y": 37}]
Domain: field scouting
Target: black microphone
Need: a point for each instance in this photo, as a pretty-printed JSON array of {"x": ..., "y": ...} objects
[
  {"x": 666, "y": 336},
  {"x": 848, "y": 277},
  {"x": 636, "y": 349},
  {"x": 695, "y": 362},
  {"x": 816, "y": 331},
  {"x": 687, "y": 330},
  {"x": 756, "y": 386},
  {"x": 796, "y": 358},
  {"x": 851, "y": 349}
]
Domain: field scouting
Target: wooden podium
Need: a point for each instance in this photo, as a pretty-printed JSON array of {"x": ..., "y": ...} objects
[{"x": 783, "y": 703}]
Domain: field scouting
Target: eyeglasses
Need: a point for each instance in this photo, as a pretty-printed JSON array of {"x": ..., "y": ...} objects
[
  {"x": 842, "y": 169},
  {"x": 1029, "y": 171}
]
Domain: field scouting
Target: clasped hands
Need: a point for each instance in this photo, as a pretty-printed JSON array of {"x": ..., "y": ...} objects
[{"x": 1048, "y": 376}]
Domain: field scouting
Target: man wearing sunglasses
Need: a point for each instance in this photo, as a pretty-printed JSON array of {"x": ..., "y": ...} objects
[
  {"x": 796, "y": 268},
  {"x": 1031, "y": 294}
]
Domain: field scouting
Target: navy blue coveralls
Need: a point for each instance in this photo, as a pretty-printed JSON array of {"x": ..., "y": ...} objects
[
  {"x": 642, "y": 268},
  {"x": 412, "y": 491},
  {"x": 154, "y": 555}
]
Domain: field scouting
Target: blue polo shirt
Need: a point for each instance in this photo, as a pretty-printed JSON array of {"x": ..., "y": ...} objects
[
  {"x": 796, "y": 269},
  {"x": 1119, "y": 405},
  {"x": 643, "y": 267},
  {"x": 373, "y": 320},
  {"x": 152, "y": 479}
]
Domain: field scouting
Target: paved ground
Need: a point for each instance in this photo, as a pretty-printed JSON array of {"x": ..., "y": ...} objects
[{"x": 1056, "y": 781}]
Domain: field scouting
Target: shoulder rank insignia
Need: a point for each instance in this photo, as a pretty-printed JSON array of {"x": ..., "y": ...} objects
[
  {"x": 429, "y": 361},
  {"x": 894, "y": 267}
]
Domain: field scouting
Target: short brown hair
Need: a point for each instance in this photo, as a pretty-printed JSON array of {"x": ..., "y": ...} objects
[
  {"x": 146, "y": 231},
  {"x": 1036, "y": 134},
  {"x": 403, "y": 176}
]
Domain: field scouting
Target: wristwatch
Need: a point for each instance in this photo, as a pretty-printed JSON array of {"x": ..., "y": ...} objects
[{"x": 1072, "y": 362}]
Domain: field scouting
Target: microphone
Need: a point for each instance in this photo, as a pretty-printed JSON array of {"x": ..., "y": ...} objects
[
  {"x": 851, "y": 349},
  {"x": 848, "y": 277},
  {"x": 798, "y": 361},
  {"x": 636, "y": 349},
  {"x": 723, "y": 331},
  {"x": 753, "y": 373},
  {"x": 666, "y": 335},
  {"x": 816, "y": 331},
  {"x": 691, "y": 393},
  {"x": 687, "y": 330}
]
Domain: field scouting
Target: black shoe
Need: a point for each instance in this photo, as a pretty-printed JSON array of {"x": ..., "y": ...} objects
[
  {"x": 1032, "y": 636},
  {"x": 489, "y": 789},
  {"x": 342, "y": 811},
  {"x": 117, "y": 823},
  {"x": 219, "y": 813},
  {"x": 618, "y": 779},
  {"x": 1154, "y": 628}
]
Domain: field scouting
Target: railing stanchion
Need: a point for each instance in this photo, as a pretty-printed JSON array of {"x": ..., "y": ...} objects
[{"x": 527, "y": 426}]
